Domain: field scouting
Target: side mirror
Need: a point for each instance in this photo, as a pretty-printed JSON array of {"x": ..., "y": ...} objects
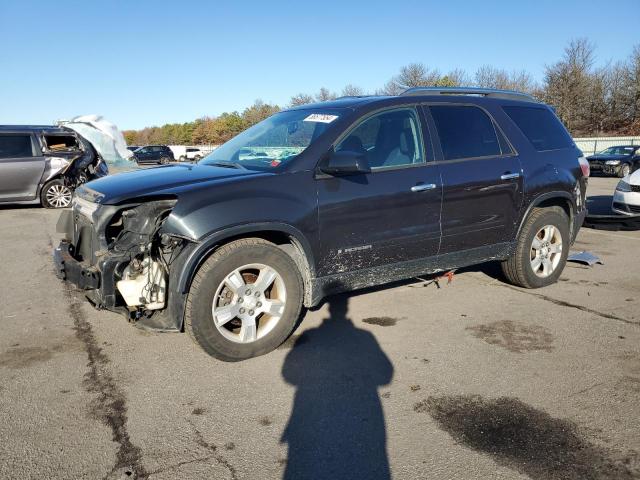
[{"x": 346, "y": 162}]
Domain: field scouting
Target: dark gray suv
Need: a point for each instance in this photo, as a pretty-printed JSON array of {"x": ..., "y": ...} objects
[
  {"x": 328, "y": 198},
  {"x": 44, "y": 164}
]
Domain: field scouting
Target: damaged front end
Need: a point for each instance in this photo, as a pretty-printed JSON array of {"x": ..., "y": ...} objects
[{"x": 118, "y": 255}]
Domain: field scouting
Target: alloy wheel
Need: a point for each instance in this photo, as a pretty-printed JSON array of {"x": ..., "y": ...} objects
[
  {"x": 546, "y": 251},
  {"x": 249, "y": 303},
  {"x": 59, "y": 196}
]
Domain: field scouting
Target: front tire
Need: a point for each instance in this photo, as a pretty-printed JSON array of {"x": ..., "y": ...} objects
[
  {"x": 625, "y": 169},
  {"x": 244, "y": 301},
  {"x": 541, "y": 251},
  {"x": 55, "y": 194}
]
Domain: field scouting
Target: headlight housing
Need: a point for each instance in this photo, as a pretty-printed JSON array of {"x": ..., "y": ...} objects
[
  {"x": 612, "y": 162},
  {"x": 623, "y": 186}
]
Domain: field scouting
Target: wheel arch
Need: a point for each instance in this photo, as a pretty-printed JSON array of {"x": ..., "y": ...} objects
[
  {"x": 560, "y": 199},
  {"x": 285, "y": 236}
]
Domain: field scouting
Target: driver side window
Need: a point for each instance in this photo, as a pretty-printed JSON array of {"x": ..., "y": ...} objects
[{"x": 389, "y": 139}]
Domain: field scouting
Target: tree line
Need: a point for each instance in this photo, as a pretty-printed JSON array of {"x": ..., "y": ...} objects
[{"x": 590, "y": 100}]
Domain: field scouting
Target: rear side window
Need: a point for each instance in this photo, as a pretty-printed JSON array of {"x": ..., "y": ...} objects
[
  {"x": 12, "y": 146},
  {"x": 541, "y": 127},
  {"x": 465, "y": 132}
]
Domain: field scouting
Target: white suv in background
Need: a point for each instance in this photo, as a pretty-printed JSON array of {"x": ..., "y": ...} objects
[
  {"x": 626, "y": 198},
  {"x": 192, "y": 154}
]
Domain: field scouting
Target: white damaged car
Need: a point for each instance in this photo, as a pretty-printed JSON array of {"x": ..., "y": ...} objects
[{"x": 626, "y": 198}]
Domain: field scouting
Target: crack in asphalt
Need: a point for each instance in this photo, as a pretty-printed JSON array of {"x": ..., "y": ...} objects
[
  {"x": 213, "y": 449},
  {"x": 562, "y": 303},
  {"x": 180, "y": 464},
  {"x": 110, "y": 405}
]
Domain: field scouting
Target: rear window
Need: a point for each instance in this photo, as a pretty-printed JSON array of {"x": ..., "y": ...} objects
[
  {"x": 12, "y": 146},
  {"x": 541, "y": 127},
  {"x": 465, "y": 132}
]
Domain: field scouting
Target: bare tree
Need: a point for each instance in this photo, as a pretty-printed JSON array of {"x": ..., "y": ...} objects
[
  {"x": 300, "y": 99},
  {"x": 631, "y": 91},
  {"x": 416, "y": 75},
  {"x": 491, "y": 77},
  {"x": 390, "y": 88},
  {"x": 352, "y": 91},
  {"x": 325, "y": 95},
  {"x": 455, "y": 78},
  {"x": 567, "y": 84}
]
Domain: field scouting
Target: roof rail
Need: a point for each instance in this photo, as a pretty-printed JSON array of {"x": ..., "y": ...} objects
[{"x": 485, "y": 92}]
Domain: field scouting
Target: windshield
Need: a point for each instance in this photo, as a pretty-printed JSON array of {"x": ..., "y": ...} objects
[
  {"x": 617, "y": 151},
  {"x": 273, "y": 142}
]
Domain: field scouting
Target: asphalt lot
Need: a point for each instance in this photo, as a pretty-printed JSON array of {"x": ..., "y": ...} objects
[{"x": 473, "y": 380}]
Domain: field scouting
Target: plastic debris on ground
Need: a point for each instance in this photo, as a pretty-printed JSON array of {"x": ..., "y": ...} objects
[
  {"x": 586, "y": 258},
  {"x": 436, "y": 280}
]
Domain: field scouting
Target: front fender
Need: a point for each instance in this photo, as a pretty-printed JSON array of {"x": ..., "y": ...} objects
[
  {"x": 184, "y": 267},
  {"x": 205, "y": 247}
]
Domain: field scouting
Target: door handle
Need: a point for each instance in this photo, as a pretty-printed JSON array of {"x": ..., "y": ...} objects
[
  {"x": 509, "y": 176},
  {"x": 423, "y": 187}
]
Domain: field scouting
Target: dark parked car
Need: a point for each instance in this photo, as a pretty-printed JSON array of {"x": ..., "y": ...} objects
[
  {"x": 327, "y": 198},
  {"x": 621, "y": 160},
  {"x": 133, "y": 148},
  {"x": 44, "y": 164},
  {"x": 158, "y": 154}
]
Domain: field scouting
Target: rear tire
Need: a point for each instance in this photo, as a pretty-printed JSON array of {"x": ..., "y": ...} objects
[
  {"x": 55, "y": 194},
  {"x": 537, "y": 262},
  {"x": 164, "y": 160},
  {"x": 230, "y": 280}
]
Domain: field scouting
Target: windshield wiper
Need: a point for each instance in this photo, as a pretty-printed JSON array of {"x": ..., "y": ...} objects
[{"x": 226, "y": 164}]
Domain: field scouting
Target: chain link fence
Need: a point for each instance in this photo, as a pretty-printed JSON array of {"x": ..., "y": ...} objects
[{"x": 590, "y": 146}]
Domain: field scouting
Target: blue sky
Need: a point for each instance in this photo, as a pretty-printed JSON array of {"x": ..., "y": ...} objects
[{"x": 143, "y": 63}]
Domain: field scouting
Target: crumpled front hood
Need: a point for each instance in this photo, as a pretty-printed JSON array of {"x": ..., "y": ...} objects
[
  {"x": 165, "y": 180},
  {"x": 607, "y": 157}
]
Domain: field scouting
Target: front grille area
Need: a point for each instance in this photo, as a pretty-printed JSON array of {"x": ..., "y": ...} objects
[
  {"x": 634, "y": 208},
  {"x": 620, "y": 206},
  {"x": 635, "y": 188}
]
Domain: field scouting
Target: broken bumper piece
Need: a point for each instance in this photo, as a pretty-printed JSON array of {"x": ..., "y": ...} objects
[
  {"x": 97, "y": 281},
  {"x": 71, "y": 270}
]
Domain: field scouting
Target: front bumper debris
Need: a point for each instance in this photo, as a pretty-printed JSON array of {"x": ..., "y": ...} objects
[{"x": 69, "y": 269}]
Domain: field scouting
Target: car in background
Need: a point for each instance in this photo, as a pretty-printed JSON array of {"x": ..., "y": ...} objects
[
  {"x": 620, "y": 160},
  {"x": 626, "y": 198},
  {"x": 154, "y": 154},
  {"x": 192, "y": 154},
  {"x": 44, "y": 164},
  {"x": 133, "y": 148}
]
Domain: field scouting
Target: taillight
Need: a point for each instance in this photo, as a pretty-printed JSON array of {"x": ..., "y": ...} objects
[{"x": 584, "y": 166}]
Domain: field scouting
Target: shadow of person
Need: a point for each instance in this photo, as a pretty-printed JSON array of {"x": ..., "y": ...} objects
[{"x": 336, "y": 429}]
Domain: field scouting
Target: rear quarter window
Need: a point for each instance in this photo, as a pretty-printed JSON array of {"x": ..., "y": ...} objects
[{"x": 541, "y": 127}]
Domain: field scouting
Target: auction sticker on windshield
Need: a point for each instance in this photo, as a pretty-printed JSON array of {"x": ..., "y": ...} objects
[{"x": 320, "y": 117}]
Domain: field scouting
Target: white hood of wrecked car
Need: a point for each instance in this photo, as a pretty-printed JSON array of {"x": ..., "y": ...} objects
[{"x": 103, "y": 135}]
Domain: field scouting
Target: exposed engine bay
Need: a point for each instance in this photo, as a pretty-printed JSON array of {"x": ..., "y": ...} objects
[{"x": 121, "y": 255}]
